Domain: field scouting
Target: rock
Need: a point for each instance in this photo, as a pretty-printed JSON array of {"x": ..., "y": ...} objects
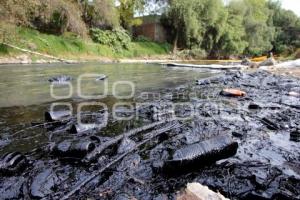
[
  {"x": 57, "y": 115},
  {"x": 62, "y": 79},
  {"x": 294, "y": 94},
  {"x": 43, "y": 184},
  {"x": 295, "y": 135},
  {"x": 202, "y": 153},
  {"x": 290, "y": 101},
  {"x": 130, "y": 163},
  {"x": 32, "y": 46},
  {"x": 270, "y": 124},
  {"x": 12, "y": 163},
  {"x": 82, "y": 128},
  {"x": 73, "y": 148},
  {"x": 254, "y": 106},
  {"x": 246, "y": 61},
  {"x": 214, "y": 80},
  {"x": 12, "y": 188},
  {"x": 203, "y": 82},
  {"x": 126, "y": 145},
  {"x": 102, "y": 78},
  {"x": 237, "y": 134},
  {"x": 269, "y": 62},
  {"x": 24, "y": 59},
  {"x": 233, "y": 93},
  {"x": 253, "y": 65},
  {"x": 196, "y": 191},
  {"x": 4, "y": 142}
]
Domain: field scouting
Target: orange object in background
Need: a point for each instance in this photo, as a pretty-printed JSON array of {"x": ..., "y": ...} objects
[
  {"x": 259, "y": 59},
  {"x": 233, "y": 93}
]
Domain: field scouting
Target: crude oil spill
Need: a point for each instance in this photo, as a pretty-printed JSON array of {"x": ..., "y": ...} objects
[{"x": 260, "y": 159}]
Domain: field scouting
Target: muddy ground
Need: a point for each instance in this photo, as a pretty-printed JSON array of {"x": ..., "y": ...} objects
[{"x": 245, "y": 147}]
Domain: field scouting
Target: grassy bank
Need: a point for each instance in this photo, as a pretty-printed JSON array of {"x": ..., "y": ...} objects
[{"x": 69, "y": 46}]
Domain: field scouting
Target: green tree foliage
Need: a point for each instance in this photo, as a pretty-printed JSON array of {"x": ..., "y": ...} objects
[
  {"x": 199, "y": 23},
  {"x": 204, "y": 27},
  {"x": 52, "y": 16},
  {"x": 259, "y": 32},
  {"x": 127, "y": 10},
  {"x": 252, "y": 27},
  {"x": 232, "y": 41},
  {"x": 287, "y": 25},
  {"x": 100, "y": 13}
]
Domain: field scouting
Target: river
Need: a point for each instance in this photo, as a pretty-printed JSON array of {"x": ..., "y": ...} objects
[{"x": 26, "y": 94}]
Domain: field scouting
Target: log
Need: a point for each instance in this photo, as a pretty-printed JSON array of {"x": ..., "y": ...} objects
[
  {"x": 201, "y": 154},
  {"x": 36, "y": 53},
  {"x": 94, "y": 154},
  {"x": 215, "y": 66}
]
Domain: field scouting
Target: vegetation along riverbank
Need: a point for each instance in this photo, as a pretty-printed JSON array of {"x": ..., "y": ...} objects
[{"x": 103, "y": 30}]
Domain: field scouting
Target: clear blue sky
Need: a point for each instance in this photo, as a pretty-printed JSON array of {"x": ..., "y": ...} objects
[{"x": 293, "y": 5}]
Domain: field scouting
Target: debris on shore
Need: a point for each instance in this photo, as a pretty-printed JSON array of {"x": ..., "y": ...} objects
[
  {"x": 244, "y": 146},
  {"x": 196, "y": 191}
]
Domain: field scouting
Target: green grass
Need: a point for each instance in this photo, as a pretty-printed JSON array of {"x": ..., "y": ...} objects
[
  {"x": 3, "y": 50},
  {"x": 71, "y": 47}
]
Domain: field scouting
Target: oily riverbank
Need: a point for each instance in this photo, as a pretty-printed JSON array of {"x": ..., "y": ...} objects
[{"x": 263, "y": 125}]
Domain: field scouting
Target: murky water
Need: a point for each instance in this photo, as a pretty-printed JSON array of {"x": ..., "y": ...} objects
[{"x": 26, "y": 95}]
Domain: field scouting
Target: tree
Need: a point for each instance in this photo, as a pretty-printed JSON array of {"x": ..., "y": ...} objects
[
  {"x": 287, "y": 25},
  {"x": 184, "y": 19},
  {"x": 216, "y": 16},
  {"x": 232, "y": 41},
  {"x": 127, "y": 10},
  {"x": 259, "y": 33},
  {"x": 199, "y": 23},
  {"x": 100, "y": 13}
]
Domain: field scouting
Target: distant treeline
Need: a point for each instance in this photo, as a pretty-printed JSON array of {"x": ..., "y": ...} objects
[
  {"x": 249, "y": 27},
  {"x": 199, "y": 27}
]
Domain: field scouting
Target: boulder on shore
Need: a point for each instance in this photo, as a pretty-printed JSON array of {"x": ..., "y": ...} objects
[
  {"x": 246, "y": 61},
  {"x": 196, "y": 191},
  {"x": 269, "y": 62}
]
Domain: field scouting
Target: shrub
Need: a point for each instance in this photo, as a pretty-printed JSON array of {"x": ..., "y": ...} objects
[
  {"x": 51, "y": 16},
  {"x": 297, "y": 54},
  {"x": 3, "y": 49},
  {"x": 192, "y": 54},
  {"x": 142, "y": 38},
  {"x": 118, "y": 39}
]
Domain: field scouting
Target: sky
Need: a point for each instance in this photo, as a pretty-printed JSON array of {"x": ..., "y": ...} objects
[{"x": 293, "y": 5}]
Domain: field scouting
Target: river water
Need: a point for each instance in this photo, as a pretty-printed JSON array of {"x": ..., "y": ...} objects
[{"x": 26, "y": 93}]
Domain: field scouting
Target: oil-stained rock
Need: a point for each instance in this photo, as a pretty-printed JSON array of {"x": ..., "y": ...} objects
[
  {"x": 82, "y": 128},
  {"x": 57, "y": 115},
  {"x": 11, "y": 188},
  {"x": 43, "y": 184},
  {"x": 295, "y": 135},
  {"x": 126, "y": 145},
  {"x": 60, "y": 79},
  {"x": 12, "y": 163}
]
